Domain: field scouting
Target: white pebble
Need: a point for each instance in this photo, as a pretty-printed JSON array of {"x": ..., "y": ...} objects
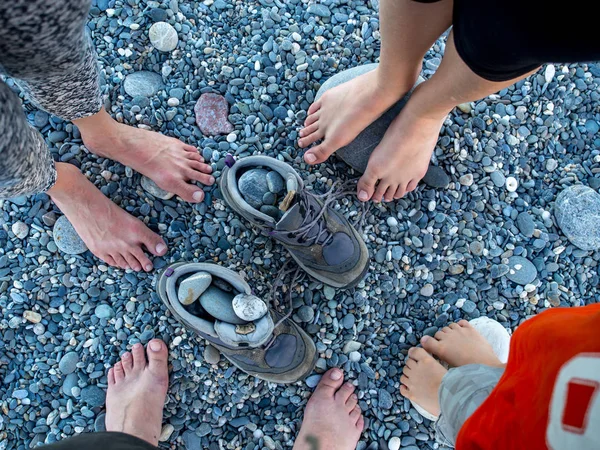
[
  {"x": 394, "y": 443},
  {"x": 296, "y": 36},
  {"x": 173, "y": 102},
  {"x": 354, "y": 356},
  {"x": 546, "y": 215},
  {"x": 511, "y": 184},
  {"x": 163, "y": 36},
  {"x": 549, "y": 73},
  {"x": 431, "y": 206},
  {"x": 460, "y": 302},
  {"x": 20, "y": 230},
  {"x": 32, "y": 316},
  {"x": 392, "y": 222},
  {"x": 231, "y": 137},
  {"x": 551, "y": 165},
  {"x": 466, "y": 180}
]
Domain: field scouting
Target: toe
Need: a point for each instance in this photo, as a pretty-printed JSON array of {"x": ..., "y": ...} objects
[
  {"x": 190, "y": 148},
  {"x": 310, "y": 120},
  {"x": 119, "y": 372},
  {"x": 127, "y": 362},
  {"x": 314, "y": 107},
  {"x": 352, "y": 402},
  {"x": 109, "y": 260},
  {"x": 139, "y": 356},
  {"x": 390, "y": 193},
  {"x": 356, "y": 414},
  {"x": 344, "y": 393},
  {"x": 400, "y": 191},
  {"x": 430, "y": 344},
  {"x": 319, "y": 154},
  {"x": 405, "y": 392},
  {"x": 412, "y": 185},
  {"x": 404, "y": 380},
  {"x": 366, "y": 185},
  {"x": 204, "y": 178},
  {"x": 157, "y": 358},
  {"x": 141, "y": 258},
  {"x": 309, "y": 130},
  {"x": 464, "y": 323},
  {"x": 382, "y": 187},
  {"x": 418, "y": 354},
  {"x": 330, "y": 382},
  {"x": 410, "y": 364},
  {"x": 360, "y": 424},
  {"x": 439, "y": 335},
  {"x": 153, "y": 243},
  {"x": 454, "y": 326},
  {"x": 203, "y": 168},
  {"x": 111, "y": 376},
  {"x": 189, "y": 192},
  {"x": 132, "y": 262},
  {"x": 120, "y": 261},
  {"x": 311, "y": 139}
]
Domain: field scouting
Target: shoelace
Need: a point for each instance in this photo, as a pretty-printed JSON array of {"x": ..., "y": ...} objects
[{"x": 336, "y": 192}]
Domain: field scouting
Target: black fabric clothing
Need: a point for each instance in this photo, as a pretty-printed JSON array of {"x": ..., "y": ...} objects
[
  {"x": 101, "y": 441},
  {"x": 503, "y": 40}
]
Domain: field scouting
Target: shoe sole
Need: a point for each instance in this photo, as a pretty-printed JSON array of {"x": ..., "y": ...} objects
[{"x": 233, "y": 205}]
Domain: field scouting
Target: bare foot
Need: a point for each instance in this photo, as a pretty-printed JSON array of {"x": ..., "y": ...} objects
[
  {"x": 421, "y": 379},
  {"x": 402, "y": 157},
  {"x": 136, "y": 392},
  {"x": 109, "y": 232},
  {"x": 332, "y": 419},
  {"x": 171, "y": 164},
  {"x": 460, "y": 344},
  {"x": 344, "y": 111}
]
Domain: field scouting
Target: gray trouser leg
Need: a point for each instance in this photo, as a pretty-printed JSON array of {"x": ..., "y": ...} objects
[
  {"x": 462, "y": 391},
  {"x": 43, "y": 46}
]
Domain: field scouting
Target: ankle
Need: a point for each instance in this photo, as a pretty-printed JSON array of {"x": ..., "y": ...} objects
[
  {"x": 66, "y": 175},
  {"x": 397, "y": 82},
  {"x": 98, "y": 129}
]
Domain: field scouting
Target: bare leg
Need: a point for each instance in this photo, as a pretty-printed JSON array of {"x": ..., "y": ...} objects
[
  {"x": 137, "y": 387},
  {"x": 109, "y": 232},
  {"x": 332, "y": 420},
  {"x": 402, "y": 157},
  {"x": 408, "y": 30},
  {"x": 170, "y": 163}
]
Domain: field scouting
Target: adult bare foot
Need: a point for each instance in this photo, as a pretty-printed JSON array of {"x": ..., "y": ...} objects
[
  {"x": 402, "y": 157},
  {"x": 459, "y": 344},
  {"x": 344, "y": 111},
  {"x": 421, "y": 379},
  {"x": 109, "y": 232},
  {"x": 136, "y": 392},
  {"x": 171, "y": 164},
  {"x": 332, "y": 419}
]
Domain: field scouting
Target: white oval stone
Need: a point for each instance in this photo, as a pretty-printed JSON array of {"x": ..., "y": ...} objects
[
  {"x": 511, "y": 184},
  {"x": 163, "y": 36},
  {"x": 249, "y": 307},
  {"x": 496, "y": 335},
  {"x": 549, "y": 73},
  {"x": 193, "y": 287},
  {"x": 394, "y": 443},
  {"x": 20, "y": 230}
]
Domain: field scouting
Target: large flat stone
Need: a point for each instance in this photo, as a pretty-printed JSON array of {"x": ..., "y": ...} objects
[
  {"x": 357, "y": 153},
  {"x": 577, "y": 212}
]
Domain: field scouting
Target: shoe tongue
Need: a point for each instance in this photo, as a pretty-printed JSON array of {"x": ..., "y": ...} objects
[{"x": 292, "y": 219}]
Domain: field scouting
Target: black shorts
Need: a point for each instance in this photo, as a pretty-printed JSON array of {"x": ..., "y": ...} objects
[{"x": 503, "y": 40}]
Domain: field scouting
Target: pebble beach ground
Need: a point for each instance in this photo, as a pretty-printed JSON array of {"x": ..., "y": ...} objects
[{"x": 487, "y": 244}]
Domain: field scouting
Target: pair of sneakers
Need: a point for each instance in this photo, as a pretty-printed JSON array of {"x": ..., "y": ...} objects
[{"x": 321, "y": 241}]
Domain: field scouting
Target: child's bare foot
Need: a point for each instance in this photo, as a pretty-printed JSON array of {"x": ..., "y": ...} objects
[
  {"x": 402, "y": 157},
  {"x": 109, "y": 232},
  {"x": 344, "y": 111},
  {"x": 171, "y": 164},
  {"x": 136, "y": 392},
  {"x": 332, "y": 419},
  {"x": 421, "y": 379},
  {"x": 459, "y": 344}
]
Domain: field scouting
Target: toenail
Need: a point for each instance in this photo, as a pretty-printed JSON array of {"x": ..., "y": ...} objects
[
  {"x": 309, "y": 157},
  {"x": 148, "y": 267},
  {"x": 198, "y": 196},
  {"x": 126, "y": 356},
  {"x": 335, "y": 374},
  {"x": 155, "y": 346},
  {"x": 425, "y": 339},
  {"x": 212, "y": 180},
  {"x": 160, "y": 248},
  {"x": 363, "y": 196}
]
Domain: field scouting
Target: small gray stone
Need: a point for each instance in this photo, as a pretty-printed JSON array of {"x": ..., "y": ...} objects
[
  {"x": 275, "y": 182},
  {"x": 69, "y": 383},
  {"x": 104, "y": 311},
  {"x": 577, "y": 212},
  {"x": 20, "y": 394},
  {"x": 217, "y": 303},
  {"x": 253, "y": 186},
  {"x": 192, "y": 287},
  {"x": 66, "y": 238},
  {"x": 151, "y": 188},
  {"x": 163, "y": 37},
  {"x": 249, "y": 307},
  {"x": 319, "y": 10},
  {"x": 212, "y": 355},
  {"x": 144, "y": 84},
  {"x": 427, "y": 290},
  {"x": 306, "y": 313},
  {"x": 68, "y": 363},
  {"x": 19, "y": 201},
  {"x": 498, "y": 178},
  {"x": 271, "y": 211},
  {"x": 313, "y": 381},
  {"x": 525, "y": 224},
  {"x": 385, "y": 399},
  {"x": 469, "y": 306},
  {"x": 93, "y": 396},
  {"x": 354, "y": 356},
  {"x": 348, "y": 321},
  {"x": 269, "y": 199},
  {"x": 20, "y": 229},
  {"x": 521, "y": 270},
  {"x": 329, "y": 292},
  {"x": 436, "y": 177}
]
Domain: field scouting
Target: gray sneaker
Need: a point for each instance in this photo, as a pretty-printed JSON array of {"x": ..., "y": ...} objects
[
  {"x": 320, "y": 239},
  {"x": 259, "y": 340}
]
